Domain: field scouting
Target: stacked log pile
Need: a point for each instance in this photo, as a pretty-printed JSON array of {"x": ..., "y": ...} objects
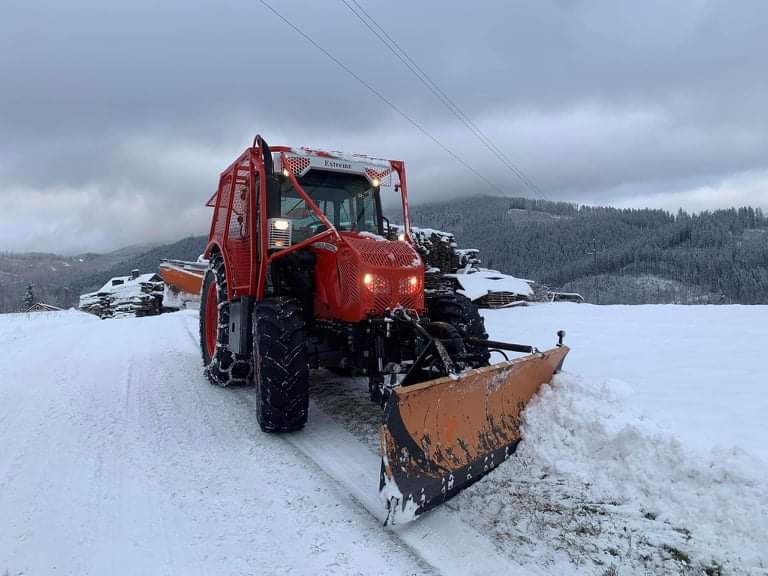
[
  {"x": 135, "y": 297},
  {"x": 439, "y": 250},
  {"x": 441, "y": 255}
]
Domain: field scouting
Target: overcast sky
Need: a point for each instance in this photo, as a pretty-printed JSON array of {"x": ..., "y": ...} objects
[{"x": 116, "y": 117}]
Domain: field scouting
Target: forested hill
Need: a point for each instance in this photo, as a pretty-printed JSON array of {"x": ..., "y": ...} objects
[
  {"x": 643, "y": 255},
  {"x": 59, "y": 280}
]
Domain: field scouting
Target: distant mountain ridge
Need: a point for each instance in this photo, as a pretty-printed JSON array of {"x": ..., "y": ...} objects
[
  {"x": 643, "y": 255},
  {"x": 59, "y": 280}
]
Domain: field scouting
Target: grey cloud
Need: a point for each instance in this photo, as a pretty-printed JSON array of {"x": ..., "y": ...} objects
[{"x": 128, "y": 110}]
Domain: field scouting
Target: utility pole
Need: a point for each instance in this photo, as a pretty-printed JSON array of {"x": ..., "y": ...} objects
[{"x": 594, "y": 253}]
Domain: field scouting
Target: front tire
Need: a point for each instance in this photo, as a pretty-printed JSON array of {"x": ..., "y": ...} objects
[
  {"x": 220, "y": 365},
  {"x": 281, "y": 362},
  {"x": 462, "y": 313}
]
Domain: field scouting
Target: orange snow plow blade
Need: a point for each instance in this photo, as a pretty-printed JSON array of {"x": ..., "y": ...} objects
[
  {"x": 440, "y": 436},
  {"x": 183, "y": 276}
]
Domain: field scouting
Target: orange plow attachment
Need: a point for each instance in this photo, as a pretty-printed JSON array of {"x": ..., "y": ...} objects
[
  {"x": 440, "y": 436},
  {"x": 183, "y": 276}
]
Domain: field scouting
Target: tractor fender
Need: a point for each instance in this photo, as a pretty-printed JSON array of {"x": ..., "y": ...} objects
[{"x": 212, "y": 247}]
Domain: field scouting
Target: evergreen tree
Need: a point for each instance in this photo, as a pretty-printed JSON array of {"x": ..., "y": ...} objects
[{"x": 29, "y": 297}]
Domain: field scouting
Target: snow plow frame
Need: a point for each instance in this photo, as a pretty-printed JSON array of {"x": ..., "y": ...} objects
[{"x": 441, "y": 435}]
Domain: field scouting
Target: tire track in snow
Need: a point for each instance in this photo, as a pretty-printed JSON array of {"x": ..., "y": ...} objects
[
  {"x": 340, "y": 440},
  {"x": 187, "y": 318},
  {"x": 193, "y": 414},
  {"x": 440, "y": 537},
  {"x": 246, "y": 398},
  {"x": 164, "y": 467},
  {"x": 129, "y": 462}
]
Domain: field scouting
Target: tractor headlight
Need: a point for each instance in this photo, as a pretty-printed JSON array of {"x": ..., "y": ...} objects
[
  {"x": 401, "y": 237},
  {"x": 376, "y": 284},
  {"x": 279, "y": 233},
  {"x": 410, "y": 285}
]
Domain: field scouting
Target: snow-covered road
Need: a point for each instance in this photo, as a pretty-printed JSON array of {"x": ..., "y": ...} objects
[{"x": 116, "y": 457}]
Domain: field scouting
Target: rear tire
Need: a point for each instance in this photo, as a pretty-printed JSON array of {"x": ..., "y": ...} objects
[
  {"x": 220, "y": 365},
  {"x": 461, "y": 312},
  {"x": 281, "y": 362}
]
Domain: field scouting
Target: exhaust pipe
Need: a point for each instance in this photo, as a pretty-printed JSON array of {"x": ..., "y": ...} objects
[{"x": 273, "y": 184}]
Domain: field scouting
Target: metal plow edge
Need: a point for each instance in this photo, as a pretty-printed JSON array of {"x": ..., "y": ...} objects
[{"x": 440, "y": 436}]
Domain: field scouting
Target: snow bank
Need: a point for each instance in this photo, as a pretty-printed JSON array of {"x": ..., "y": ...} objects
[
  {"x": 25, "y": 324},
  {"x": 603, "y": 485},
  {"x": 698, "y": 370}
]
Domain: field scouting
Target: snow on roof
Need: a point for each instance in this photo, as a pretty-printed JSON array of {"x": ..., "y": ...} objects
[
  {"x": 480, "y": 281},
  {"x": 43, "y": 307},
  {"x": 123, "y": 287},
  {"x": 120, "y": 281}
]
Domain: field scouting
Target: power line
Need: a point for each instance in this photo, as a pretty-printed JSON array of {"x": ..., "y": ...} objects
[
  {"x": 440, "y": 94},
  {"x": 403, "y": 56},
  {"x": 381, "y": 97}
]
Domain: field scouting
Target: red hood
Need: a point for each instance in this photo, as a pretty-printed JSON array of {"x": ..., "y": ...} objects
[{"x": 377, "y": 251}]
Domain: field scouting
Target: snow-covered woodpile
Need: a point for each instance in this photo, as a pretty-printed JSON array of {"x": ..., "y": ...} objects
[
  {"x": 490, "y": 288},
  {"x": 134, "y": 295},
  {"x": 440, "y": 253},
  {"x": 452, "y": 268},
  {"x": 437, "y": 248}
]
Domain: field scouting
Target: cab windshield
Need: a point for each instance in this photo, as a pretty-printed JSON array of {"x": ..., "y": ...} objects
[{"x": 347, "y": 200}]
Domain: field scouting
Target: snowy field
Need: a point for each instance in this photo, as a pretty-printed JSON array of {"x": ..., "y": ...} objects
[{"x": 648, "y": 455}]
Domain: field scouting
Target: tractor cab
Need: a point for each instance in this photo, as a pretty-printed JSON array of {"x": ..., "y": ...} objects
[
  {"x": 350, "y": 202},
  {"x": 319, "y": 190}
]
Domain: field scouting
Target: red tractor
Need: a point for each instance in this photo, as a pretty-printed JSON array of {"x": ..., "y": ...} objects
[{"x": 306, "y": 272}]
